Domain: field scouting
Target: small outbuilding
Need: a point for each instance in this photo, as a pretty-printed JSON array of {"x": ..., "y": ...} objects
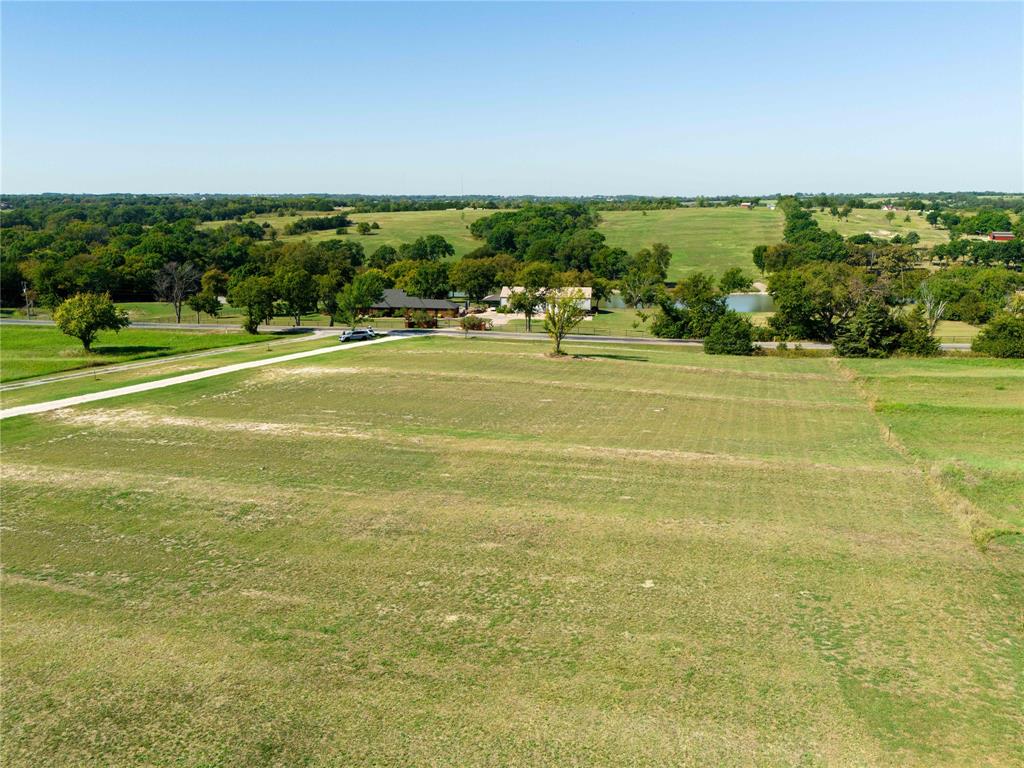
[{"x": 1001, "y": 236}]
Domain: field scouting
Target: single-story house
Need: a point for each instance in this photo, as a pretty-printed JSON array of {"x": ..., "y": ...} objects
[
  {"x": 586, "y": 303},
  {"x": 399, "y": 302},
  {"x": 746, "y": 205},
  {"x": 1001, "y": 236}
]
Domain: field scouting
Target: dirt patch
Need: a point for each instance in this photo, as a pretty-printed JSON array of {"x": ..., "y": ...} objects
[{"x": 134, "y": 419}]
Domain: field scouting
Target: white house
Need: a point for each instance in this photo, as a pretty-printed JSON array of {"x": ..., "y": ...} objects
[{"x": 586, "y": 303}]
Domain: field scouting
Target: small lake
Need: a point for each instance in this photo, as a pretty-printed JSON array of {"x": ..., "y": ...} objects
[
  {"x": 741, "y": 302},
  {"x": 750, "y": 302}
]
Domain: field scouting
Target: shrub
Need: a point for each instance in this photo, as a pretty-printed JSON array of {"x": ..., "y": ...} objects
[
  {"x": 1002, "y": 337},
  {"x": 731, "y": 334},
  {"x": 475, "y": 323},
  {"x": 420, "y": 319}
]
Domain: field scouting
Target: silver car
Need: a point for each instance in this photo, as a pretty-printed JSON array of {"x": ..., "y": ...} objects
[{"x": 358, "y": 334}]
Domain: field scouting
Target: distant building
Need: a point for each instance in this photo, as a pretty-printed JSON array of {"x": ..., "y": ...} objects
[
  {"x": 746, "y": 205},
  {"x": 399, "y": 302},
  {"x": 888, "y": 207},
  {"x": 1001, "y": 236},
  {"x": 586, "y": 303}
]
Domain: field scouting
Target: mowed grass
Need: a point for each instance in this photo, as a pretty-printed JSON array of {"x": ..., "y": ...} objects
[
  {"x": 701, "y": 239},
  {"x": 964, "y": 418},
  {"x": 874, "y": 223},
  {"x": 27, "y": 351},
  {"x": 462, "y": 552}
]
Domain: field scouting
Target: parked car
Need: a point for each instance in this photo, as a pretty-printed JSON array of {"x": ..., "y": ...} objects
[{"x": 358, "y": 334}]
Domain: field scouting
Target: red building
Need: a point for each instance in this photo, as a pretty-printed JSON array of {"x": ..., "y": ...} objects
[{"x": 1001, "y": 236}]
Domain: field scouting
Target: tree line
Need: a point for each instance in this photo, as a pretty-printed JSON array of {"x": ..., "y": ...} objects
[{"x": 872, "y": 297}]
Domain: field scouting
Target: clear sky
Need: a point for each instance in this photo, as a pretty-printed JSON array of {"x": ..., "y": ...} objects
[{"x": 536, "y": 98}]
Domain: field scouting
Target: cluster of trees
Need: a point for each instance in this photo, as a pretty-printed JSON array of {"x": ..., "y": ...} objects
[
  {"x": 79, "y": 256},
  {"x": 853, "y": 308},
  {"x": 318, "y": 223}
]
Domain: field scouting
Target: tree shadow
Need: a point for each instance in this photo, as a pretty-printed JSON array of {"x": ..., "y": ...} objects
[
  {"x": 631, "y": 358},
  {"x": 124, "y": 351}
]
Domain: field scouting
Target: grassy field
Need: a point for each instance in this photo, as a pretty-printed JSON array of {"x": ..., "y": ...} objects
[
  {"x": 708, "y": 239},
  {"x": 27, "y": 351},
  {"x": 874, "y": 223},
  {"x": 395, "y": 228},
  {"x": 450, "y": 552},
  {"x": 711, "y": 239},
  {"x": 963, "y": 418}
]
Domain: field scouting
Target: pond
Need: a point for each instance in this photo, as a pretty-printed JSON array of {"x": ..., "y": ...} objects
[
  {"x": 741, "y": 302},
  {"x": 750, "y": 302}
]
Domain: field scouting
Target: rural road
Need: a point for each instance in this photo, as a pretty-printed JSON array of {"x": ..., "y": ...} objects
[
  {"x": 946, "y": 347},
  {"x": 53, "y": 405}
]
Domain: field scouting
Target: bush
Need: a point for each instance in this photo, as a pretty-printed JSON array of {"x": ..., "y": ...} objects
[
  {"x": 731, "y": 334},
  {"x": 420, "y": 319},
  {"x": 1002, "y": 337},
  {"x": 475, "y": 323}
]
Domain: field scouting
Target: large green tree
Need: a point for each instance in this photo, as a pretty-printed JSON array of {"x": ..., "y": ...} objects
[
  {"x": 256, "y": 296},
  {"x": 86, "y": 314},
  {"x": 476, "y": 277}
]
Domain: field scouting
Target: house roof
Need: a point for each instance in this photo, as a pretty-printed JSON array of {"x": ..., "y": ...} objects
[
  {"x": 1002, "y": 234},
  {"x": 395, "y": 299}
]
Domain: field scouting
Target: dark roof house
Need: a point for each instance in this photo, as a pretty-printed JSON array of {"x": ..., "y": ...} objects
[{"x": 398, "y": 301}]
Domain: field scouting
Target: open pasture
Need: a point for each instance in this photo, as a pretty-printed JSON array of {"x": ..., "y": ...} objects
[
  {"x": 873, "y": 222},
  {"x": 463, "y": 552},
  {"x": 395, "y": 227},
  {"x": 705, "y": 239}
]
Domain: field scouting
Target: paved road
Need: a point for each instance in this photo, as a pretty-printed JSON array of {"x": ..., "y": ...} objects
[{"x": 132, "y": 389}]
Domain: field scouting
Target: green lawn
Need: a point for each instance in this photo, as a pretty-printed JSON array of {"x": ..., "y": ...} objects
[
  {"x": 463, "y": 552},
  {"x": 708, "y": 239},
  {"x": 874, "y": 223},
  {"x": 965, "y": 419},
  {"x": 27, "y": 351},
  {"x": 607, "y": 322}
]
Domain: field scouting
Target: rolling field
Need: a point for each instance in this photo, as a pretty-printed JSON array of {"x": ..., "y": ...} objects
[
  {"x": 37, "y": 350},
  {"x": 451, "y": 552},
  {"x": 395, "y": 228},
  {"x": 874, "y": 223},
  {"x": 706, "y": 239},
  {"x": 710, "y": 239}
]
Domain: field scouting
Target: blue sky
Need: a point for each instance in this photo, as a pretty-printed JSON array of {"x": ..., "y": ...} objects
[{"x": 538, "y": 98}]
